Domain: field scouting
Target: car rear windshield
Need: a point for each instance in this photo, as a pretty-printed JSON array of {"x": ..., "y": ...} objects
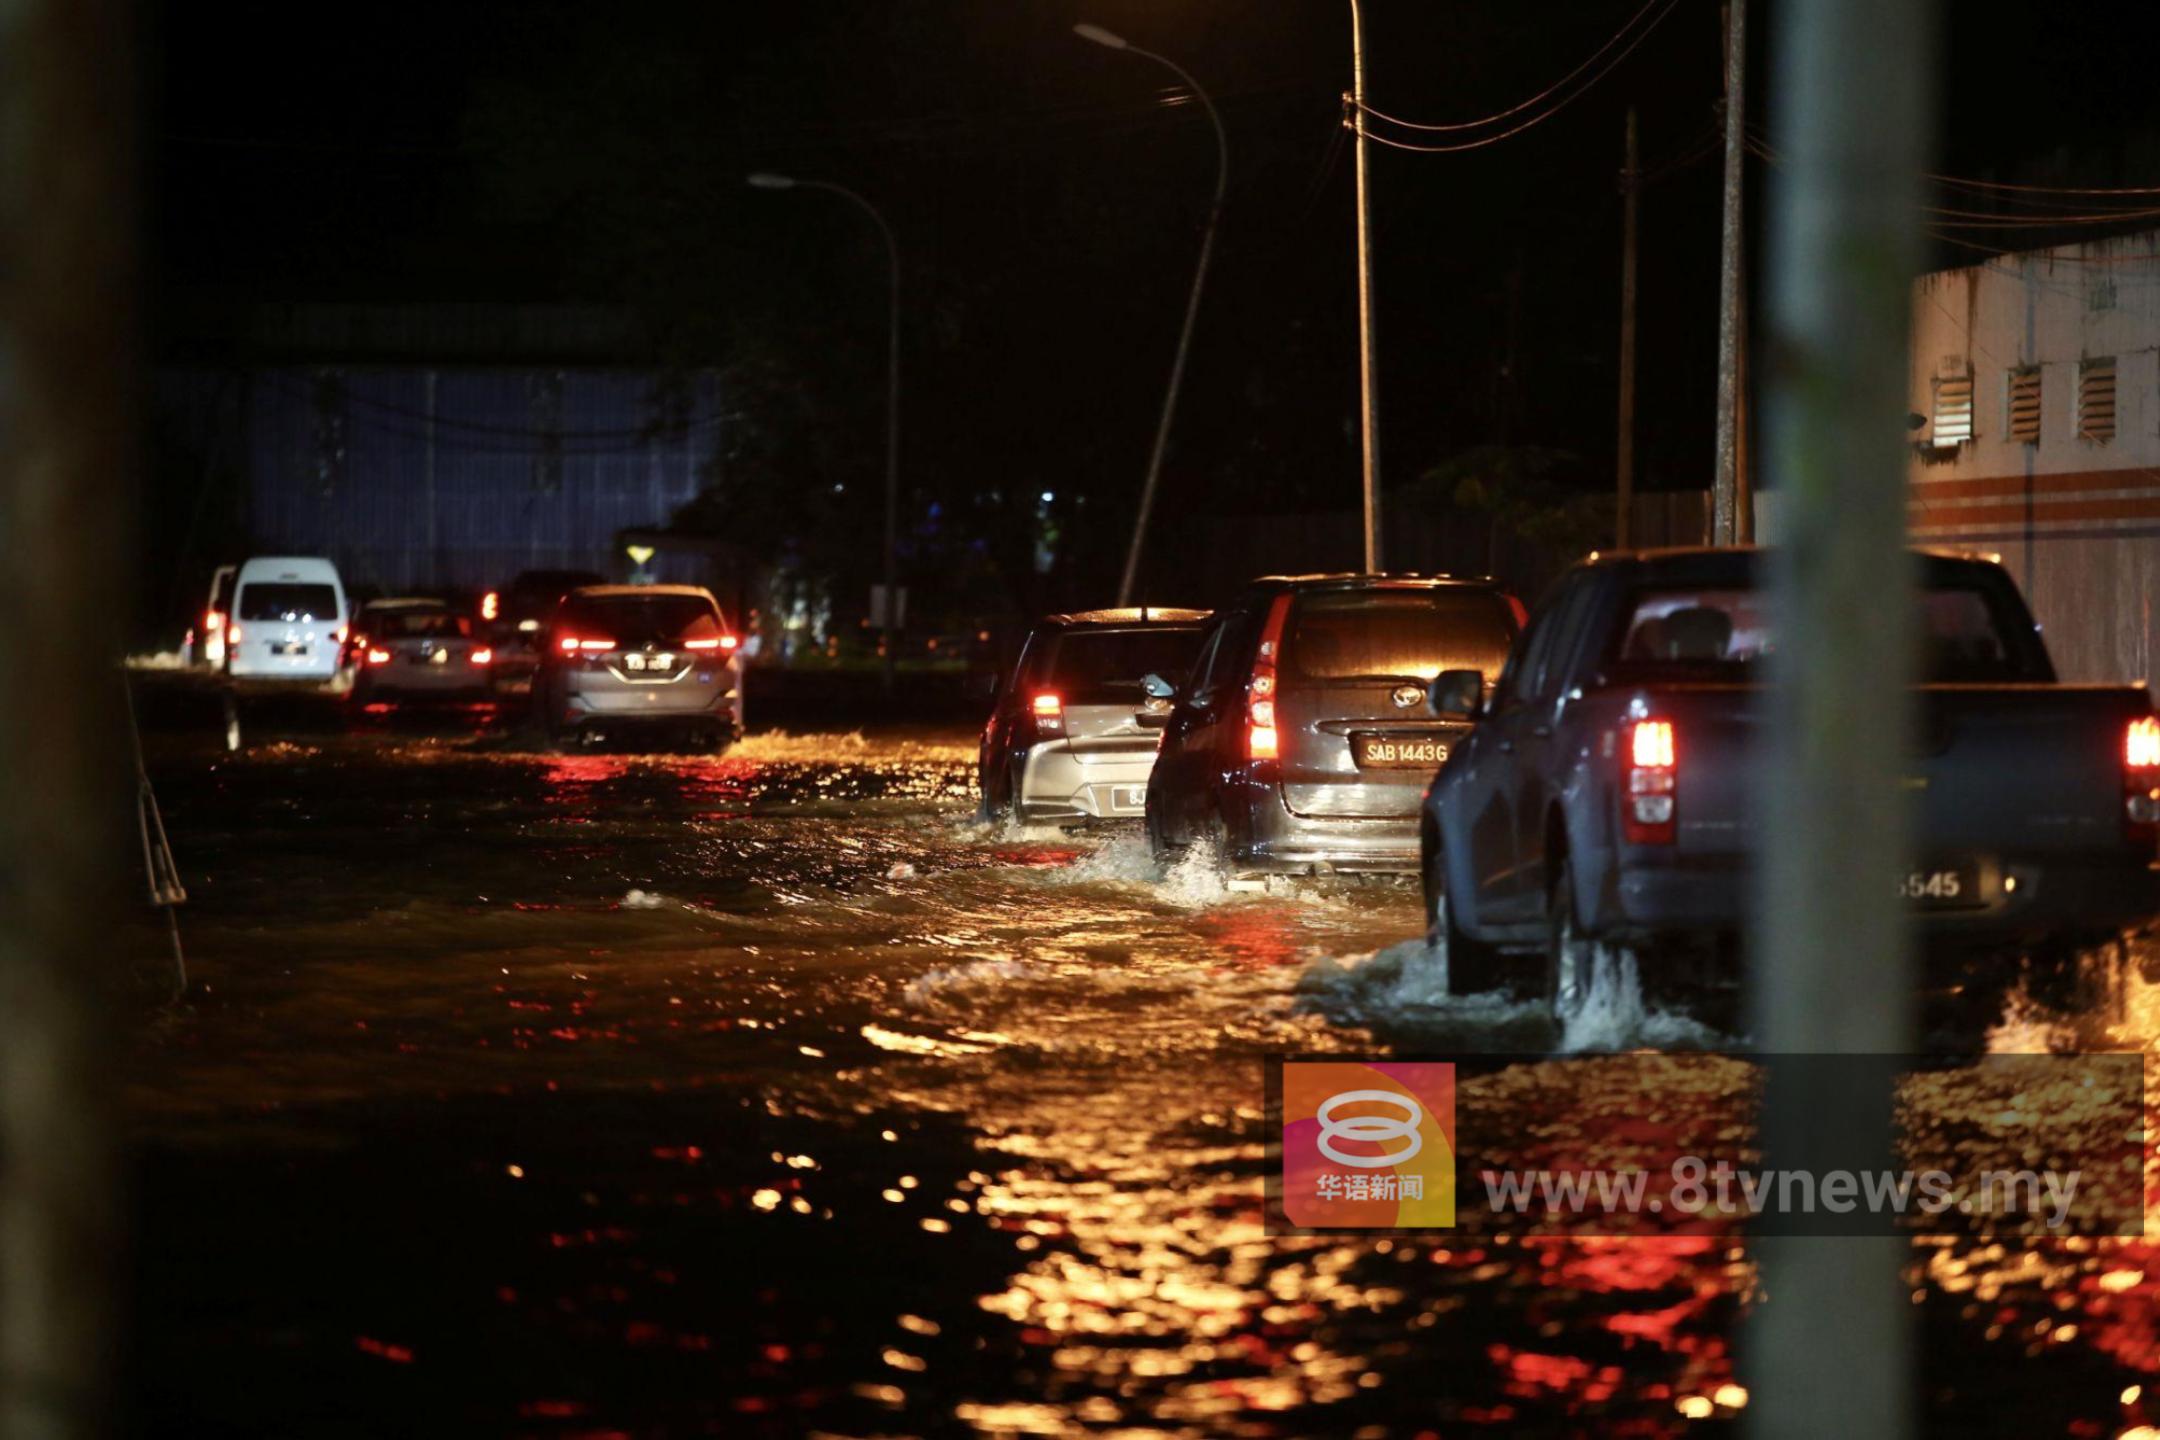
[
  {"x": 404, "y": 624},
  {"x": 1969, "y": 634},
  {"x": 260, "y": 600},
  {"x": 639, "y": 619},
  {"x": 1105, "y": 667},
  {"x": 1351, "y": 635}
]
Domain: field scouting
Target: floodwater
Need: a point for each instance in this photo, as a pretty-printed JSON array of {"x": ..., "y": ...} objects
[{"x": 771, "y": 1094}]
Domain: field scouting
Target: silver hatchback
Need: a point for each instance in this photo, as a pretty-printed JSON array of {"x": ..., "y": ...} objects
[
  {"x": 623, "y": 661},
  {"x": 1074, "y": 732}
]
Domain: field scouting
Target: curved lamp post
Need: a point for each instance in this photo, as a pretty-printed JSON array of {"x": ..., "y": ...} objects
[
  {"x": 764, "y": 181},
  {"x": 1192, "y": 304}
]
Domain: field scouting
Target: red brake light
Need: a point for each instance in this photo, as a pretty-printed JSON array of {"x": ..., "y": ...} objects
[
  {"x": 728, "y": 642},
  {"x": 2141, "y": 780},
  {"x": 232, "y": 635},
  {"x": 596, "y": 644},
  {"x": 1650, "y": 744},
  {"x": 378, "y": 657},
  {"x": 714, "y": 642},
  {"x": 490, "y": 605},
  {"x": 1049, "y": 712},
  {"x": 482, "y": 656},
  {"x": 1650, "y": 778},
  {"x": 213, "y": 621},
  {"x": 1263, "y": 742},
  {"x": 2141, "y": 744}
]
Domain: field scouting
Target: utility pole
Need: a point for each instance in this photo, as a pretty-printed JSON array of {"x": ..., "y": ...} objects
[
  {"x": 1367, "y": 364},
  {"x": 67, "y": 465},
  {"x": 1100, "y": 36},
  {"x": 1830, "y": 1351},
  {"x": 1630, "y": 190},
  {"x": 1724, "y": 489}
]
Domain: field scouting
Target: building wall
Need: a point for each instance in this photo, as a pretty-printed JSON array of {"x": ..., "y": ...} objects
[
  {"x": 415, "y": 476},
  {"x": 2077, "y": 520}
]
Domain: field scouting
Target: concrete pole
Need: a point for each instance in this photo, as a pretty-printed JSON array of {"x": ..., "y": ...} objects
[
  {"x": 1368, "y": 365},
  {"x": 1630, "y": 192},
  {"x": 68, "y": 376},
  {"x": 1724, "y": 491},
  {"x": 1830, "y": 1350}
]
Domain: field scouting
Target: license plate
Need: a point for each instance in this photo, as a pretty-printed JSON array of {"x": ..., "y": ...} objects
[
  {"x": 1388, "y": 752},
  {"x": 1128, "y": 799},
  {"x": 1949, "y": 887},
  {"x": 288, "y": 648}
]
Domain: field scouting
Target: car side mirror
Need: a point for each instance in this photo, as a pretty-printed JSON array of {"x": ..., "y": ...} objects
[
  {"x": 1158, "y": 688},
  {"x": 1456, "y": 693},
  {"x": 1154, "y": 717}
]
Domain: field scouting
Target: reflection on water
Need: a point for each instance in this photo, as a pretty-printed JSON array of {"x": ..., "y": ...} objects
[{"x": 767, "y": 1093}]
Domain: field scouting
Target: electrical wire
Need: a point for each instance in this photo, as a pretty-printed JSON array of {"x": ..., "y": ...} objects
[
  {"x": 1562, "y": 103},
  {"x": 1534, "y": 99}
]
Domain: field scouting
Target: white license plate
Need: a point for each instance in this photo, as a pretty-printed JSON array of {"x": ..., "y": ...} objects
[
  {"x": 1941, "y": 888},
  {"x": 1128, "y": 799}
]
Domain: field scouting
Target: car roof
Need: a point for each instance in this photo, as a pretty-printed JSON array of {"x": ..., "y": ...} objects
[
  {"x": 1128, "y": 615},
  {"x": 619, "y": 592},
  {"x": 1687, "y": 556},
  {"x": 1344, "y": 579},
  {"x": 303, "y": 569}
]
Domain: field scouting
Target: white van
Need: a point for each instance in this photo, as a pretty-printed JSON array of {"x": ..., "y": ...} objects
[{"x": 288, "y": 621}]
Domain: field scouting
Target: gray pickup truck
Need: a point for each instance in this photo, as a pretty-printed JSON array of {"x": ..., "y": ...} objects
[{"x": 1604, "y": 794}]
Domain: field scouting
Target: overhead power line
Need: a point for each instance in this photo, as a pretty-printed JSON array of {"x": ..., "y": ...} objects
[
  {"x": 1517, "y": 109},
  {"x": 1360, "y": 112}
]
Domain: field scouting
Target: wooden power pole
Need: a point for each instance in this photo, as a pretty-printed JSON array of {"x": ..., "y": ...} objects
[
  {"x": 1630, "y": 194},
  {"x": 67, "y": 434},
  {"x": 1829, "y": 1351}
]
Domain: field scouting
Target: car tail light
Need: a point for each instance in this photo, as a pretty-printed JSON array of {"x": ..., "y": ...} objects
[
  {"x": 233, "y": 635},
  {"x": 481, "y": 656},
  {"x": 721, "y": 642},
  {"x": 571, "y": 644},
  {"x": 1650, "y": 777},
  {"x": 378, "y": 657},
  {"x": 1263, "y": 741},
  {"x": 2141, "y": 780},
  {"x": 213, "y": 621},
  {"x": 337, "y": 636},
  {"x": 1049, "y": 713},
  {"x": 490, "y": 605}
]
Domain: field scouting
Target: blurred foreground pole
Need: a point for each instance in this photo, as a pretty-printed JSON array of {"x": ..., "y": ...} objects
[
  {"x": 67, "y": 431},
  {"x": 1830, "y": 1349}
]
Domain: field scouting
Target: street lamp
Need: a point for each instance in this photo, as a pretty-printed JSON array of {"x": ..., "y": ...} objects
[
  {"x": 766, "y": 181},
  {"x": 1112, "y": 41}
]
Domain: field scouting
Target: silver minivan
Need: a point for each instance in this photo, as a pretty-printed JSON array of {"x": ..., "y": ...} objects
[{"x": 625, "y": 661}]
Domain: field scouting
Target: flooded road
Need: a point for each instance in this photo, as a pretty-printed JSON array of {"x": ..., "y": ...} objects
[{"x": 771, "y": 1094}]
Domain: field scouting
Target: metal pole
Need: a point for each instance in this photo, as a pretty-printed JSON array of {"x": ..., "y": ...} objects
[
  {"x": 1830, "y": 1349},
  {"x": 1367, "y": 363},
  {"x": 1184, "y": 344},
  {"x": 1625, "y": 480},
  {"x": 68, "y": 418},
  {"x": 1728, "y": 382}
]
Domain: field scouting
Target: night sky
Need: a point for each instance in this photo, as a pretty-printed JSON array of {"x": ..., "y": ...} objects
[{"x": 1048, "y": 194}]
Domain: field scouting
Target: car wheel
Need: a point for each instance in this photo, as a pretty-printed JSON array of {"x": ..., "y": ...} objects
[
  {"x": 1159, "y": 843},
  {"x": 1570, "y": 956},
  {"x": 1472, "y": 965}
]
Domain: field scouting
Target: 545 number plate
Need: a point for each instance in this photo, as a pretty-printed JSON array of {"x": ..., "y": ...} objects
[{"x": 1943, "y": 887}]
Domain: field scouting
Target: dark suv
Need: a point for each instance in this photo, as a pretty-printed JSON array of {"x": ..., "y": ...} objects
[
  {"x": 1072, "y": 734},
  {"x": 1301, "y": 743}
]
